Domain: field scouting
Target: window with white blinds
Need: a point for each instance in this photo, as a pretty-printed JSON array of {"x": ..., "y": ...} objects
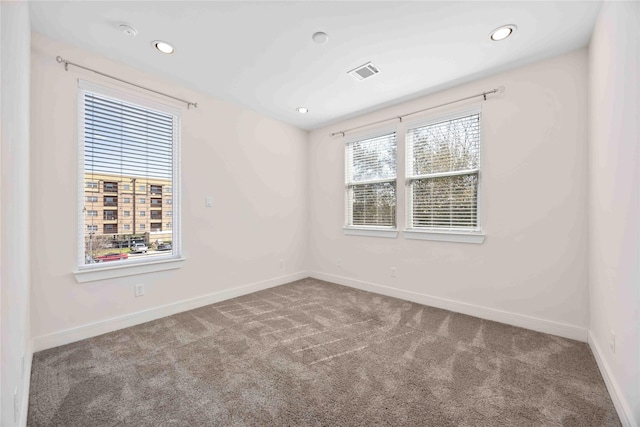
[
  {"x": 130, "y": 151},
  {"x": 371, "y": 181},
  {"x": 443, "y": 165}
]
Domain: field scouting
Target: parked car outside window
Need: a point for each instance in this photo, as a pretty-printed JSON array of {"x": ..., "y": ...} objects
[
  {"x": 113, "y": 256},
  {"x": 138, "y": 248}
]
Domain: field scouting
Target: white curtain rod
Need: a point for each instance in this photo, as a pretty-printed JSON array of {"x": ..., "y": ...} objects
[
  {"x": 483, "y": 94},
  {"x": 66, "y": 63}
]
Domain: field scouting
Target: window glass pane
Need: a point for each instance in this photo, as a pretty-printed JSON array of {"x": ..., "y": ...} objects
[
  {"x": 374, "y": 204},
  {"x": 373, "y": 158},
  {"x": 448, "y": 146},
  {"x": 127, "y": 148},
  {"x": 446, "y": 202},
  {"x": 371, "y": 178}
]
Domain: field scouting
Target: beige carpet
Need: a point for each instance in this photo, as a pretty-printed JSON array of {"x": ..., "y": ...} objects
[{"x": 319, "y": 354}]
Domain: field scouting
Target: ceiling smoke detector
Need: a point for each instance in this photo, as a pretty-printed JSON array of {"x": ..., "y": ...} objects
[
  {"x": 320, "y": 37},
  {"x": 364, "y": 71},
  {"x": 128, "y": 30}
]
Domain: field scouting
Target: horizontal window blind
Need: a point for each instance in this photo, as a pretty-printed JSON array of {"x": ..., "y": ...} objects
[
  {"x": 371, "y": 181},
  {"x": 443, "y": 162},
  {"x": 127, "y": 139},
  {"x": 128, "y": 150}
]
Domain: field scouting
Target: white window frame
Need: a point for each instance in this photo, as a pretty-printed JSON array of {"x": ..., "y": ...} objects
[
  {"x": 100, "y": 271},
  {"x": 368, "y": 230},
  {"x": 467, "y": 236}
]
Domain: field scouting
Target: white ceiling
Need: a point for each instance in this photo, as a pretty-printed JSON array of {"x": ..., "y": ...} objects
[{"x": 260, "y": 54}]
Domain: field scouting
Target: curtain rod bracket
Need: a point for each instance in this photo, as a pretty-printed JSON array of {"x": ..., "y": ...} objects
[
  {"x": 60, "y": 60},
  {"x": 66, "y": 63}
]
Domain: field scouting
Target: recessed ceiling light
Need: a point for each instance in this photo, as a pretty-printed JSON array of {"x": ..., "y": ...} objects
[
  {"x": 128, "y": 30},
  {"x": 320, "y": 37},
  {"x": 302, "y": 110},
  {"x": 163, "y": 47},
  {"x": 503, "y": 32}
]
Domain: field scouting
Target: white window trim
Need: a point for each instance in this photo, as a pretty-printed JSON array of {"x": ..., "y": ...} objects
[
  {"x": 443, "y": 235},
  {"x": 93, "y": 272},
  {"x": 353, "y": 230}
]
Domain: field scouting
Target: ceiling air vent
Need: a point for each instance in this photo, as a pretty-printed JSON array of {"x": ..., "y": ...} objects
[{"x": 364, "y": 71}]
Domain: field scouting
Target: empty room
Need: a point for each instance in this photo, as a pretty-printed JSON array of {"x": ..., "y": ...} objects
[{"x": 320, "y": 213}]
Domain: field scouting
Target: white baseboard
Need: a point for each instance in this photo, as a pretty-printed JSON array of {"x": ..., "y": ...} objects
[
  {"x": 534, "y": 323},
  {"x": 624, "y": 411},
  {"x": 26, "y": 385},
  {"x": 67, "y": 336}
]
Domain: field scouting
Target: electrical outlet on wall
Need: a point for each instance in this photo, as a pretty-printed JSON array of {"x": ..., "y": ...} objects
[
  {"x": 393, "y": 272},
  {"x": 281, "y": 264},
  {"x": 139, "y": 289},
  {"x": 339, "y": 263}
]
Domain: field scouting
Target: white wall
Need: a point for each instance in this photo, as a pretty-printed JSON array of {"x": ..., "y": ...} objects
[
  {"x": 14, "y": 209},
  {"x": 614, "y": 200},
  {"x": 253, "y": 167},
  {"x": 533, "y": 261}
]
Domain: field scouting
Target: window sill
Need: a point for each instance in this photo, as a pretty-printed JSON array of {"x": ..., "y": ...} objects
[
  {"x": 391, "y": 233},
  {"x": 444, "y": 236},
  {"x": 92, "y": 273}
]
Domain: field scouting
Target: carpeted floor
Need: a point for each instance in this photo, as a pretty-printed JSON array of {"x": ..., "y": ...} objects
[{"x": 315, "y": 353}]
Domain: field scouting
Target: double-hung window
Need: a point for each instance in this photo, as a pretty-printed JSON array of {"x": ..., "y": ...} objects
[
  {"x": 126, "y": 143},
  {"x": 443, "y": 172},
  {"x": 370, "y": 166}
]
